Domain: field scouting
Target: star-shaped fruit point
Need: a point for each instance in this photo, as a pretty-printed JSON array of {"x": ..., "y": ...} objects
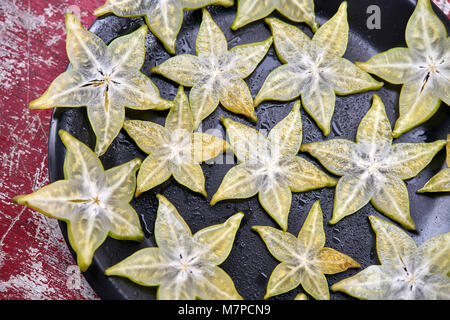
[
  {"x": 295, "y": 10},
  {"x": 441, "y": 181}
]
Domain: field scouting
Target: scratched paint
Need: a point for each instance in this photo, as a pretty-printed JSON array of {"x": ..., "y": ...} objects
[
  {"x": 444, "y": 5},
  {"x": 34, "y": 259}
]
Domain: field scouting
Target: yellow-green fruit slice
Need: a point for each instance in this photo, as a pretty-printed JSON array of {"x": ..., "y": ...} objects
[
  {"x": 183, "y": 266},
  {"x": 441, "y": 181},
  {"x": 304, "y": 260},
  {"x": 314, "y": 68},
  {"x": 93, "y": 202},
  {"x": 173, "y": 149},
  {"x": 105, "y": 79},
  {"x": 423, "y": 68},
  {"x": 301, "y": 296},
  {"x": 270, "y": 166},
  {"x": 373, "y": 169},
  {"x": 216, "y": 74},
  {"x": 407, "y": 272},
  {"x": 296, "y": 10}
]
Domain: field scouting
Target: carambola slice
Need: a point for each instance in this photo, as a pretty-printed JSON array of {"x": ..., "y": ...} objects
[
  {"x": 93, "y": 202},
  {"x": 304, "y": 260},
  {"x": 163, "y": 17},
  {"x": 175, "y": 149},
  {"x": 407, "y": 272},
  {"x": 314, "y": 68}
]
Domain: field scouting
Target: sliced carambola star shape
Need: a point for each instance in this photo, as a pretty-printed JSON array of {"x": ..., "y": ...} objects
[
  {"x": 105, "y": 79},
  {"x": 164, "y": 17},
  {"x": 296, "y": 10},
  {"x": 407, "y": 272},
  {"x": 270, "y": 166},
  {"x": 93, "y": 202},
  {"x": 184, "y": 266},
  {"x": 173, "y": 149},
  {"x": 373, "y": 168},
  {"x": 314, "y": 68},
  {"x": 423, "y": 68},
  {"x": 216, "y": 74},
  {"x": 304, "y": 260},
  {"x": 441, "y": 181}
]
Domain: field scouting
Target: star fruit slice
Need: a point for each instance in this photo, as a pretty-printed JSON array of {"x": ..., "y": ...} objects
[
  {"x": 372, "y": 168},
  {"x": 93, "y": 202},
  {"x": 314, "y": 68},
  {"x": 105, "y": 79},
  {"x": 183, "y": 266},
  {"x": 441, "y": 181},
  {"x": 216, "y": 74},
  {"x": 423, "y": 68},
  {"x": 164, "y": 17},
  {"x": 407, "y": 272},
  {"x": 296, "y": 10},
  {"x": 270, "y": 166},
  {"x": 304, "y": 260},
  {"x": 174, "y": 150},
  {"x": 301, "y": 296}
]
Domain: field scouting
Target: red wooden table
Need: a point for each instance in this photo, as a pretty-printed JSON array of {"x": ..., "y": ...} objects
[{"x": 35, "y": 262}]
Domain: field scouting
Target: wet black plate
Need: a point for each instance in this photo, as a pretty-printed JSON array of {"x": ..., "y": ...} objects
[{"x": 250, "y": 264}]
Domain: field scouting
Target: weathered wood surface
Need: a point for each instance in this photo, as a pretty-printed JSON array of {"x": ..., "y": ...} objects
[{"x": 35, "y": 262}]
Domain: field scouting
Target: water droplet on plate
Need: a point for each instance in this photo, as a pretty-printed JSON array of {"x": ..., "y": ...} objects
[{"x": 336, "y": 240}]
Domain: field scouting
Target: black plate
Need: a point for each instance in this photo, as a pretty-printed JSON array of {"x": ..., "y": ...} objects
[{"x": 249, "y": 263}]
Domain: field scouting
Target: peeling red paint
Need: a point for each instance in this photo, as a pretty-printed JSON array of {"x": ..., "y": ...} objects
[{"x": 35, "y": 262}]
